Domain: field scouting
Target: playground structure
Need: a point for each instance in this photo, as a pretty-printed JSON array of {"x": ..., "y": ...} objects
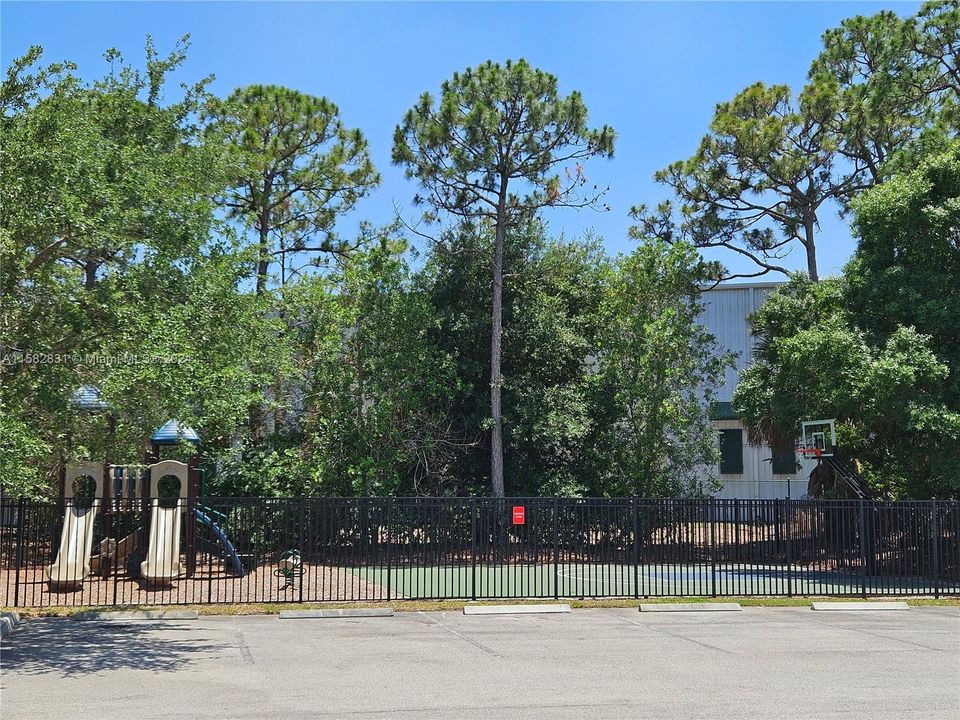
[{"x": 160, "y": 497}]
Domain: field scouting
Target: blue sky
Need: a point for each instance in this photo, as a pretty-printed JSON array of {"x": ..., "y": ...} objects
[{"x": 654, "y": 71}]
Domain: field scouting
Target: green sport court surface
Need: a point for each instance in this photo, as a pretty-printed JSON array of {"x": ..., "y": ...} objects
[{"x": 617, "y": 580}]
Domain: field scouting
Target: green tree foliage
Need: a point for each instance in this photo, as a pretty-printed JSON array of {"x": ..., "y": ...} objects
[
  {"x": 888, "y": 397},
  {"x": 883, "y": 92},
  {"x": 109, "y": 274},
  {"x": 758, "y": 182},
  {"x": 554, "y": 330},
  {"x": 372, "y": 390},
  {"x": 76, "y": 197},
  {"x": 937, "y": 44},
  {"x": 879, "y": 348},
  {"x": 894, "y": 85},
  {"x": 590, "y": 338},
  {"x": 191, "y": 346},
  {"x": 551, "y": 324},
  {"x": 877, "y": 90},
  {"x": 380, "y": 387},
  {"x": 499, "y": 145},
  {"x": 656, "y": 375},
  {"x": 20, "y": 88},
  {"x": 906, "y": 270},
  {"x": 21, "y": 453},
  {"x": 296, "y": 169},
  {"x": 506, "y": 360}
]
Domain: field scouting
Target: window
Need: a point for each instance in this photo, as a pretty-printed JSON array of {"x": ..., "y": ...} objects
[
  {"x": 723, "y": 410},
  {"x": 784, "y": 459},
  {"x": 731, "y": 452}
]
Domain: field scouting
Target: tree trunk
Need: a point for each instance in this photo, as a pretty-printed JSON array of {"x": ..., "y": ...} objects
[
  {"x": 496, "y": 438},
  {"x": 263, "y": 258},
  {"x": 255, "y": 411},
  {"x": 810, "y": 244},
  {"x": 90, "y": 274}
]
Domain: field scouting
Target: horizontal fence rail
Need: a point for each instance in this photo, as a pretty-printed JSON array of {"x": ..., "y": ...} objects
[{"x": 257, "y": 550}]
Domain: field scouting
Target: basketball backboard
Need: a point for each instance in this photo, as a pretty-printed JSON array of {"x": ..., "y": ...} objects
[{"x": 817, "y": 438}]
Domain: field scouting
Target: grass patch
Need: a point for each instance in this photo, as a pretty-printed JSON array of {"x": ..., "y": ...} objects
[{"x": 457, "y": 605}]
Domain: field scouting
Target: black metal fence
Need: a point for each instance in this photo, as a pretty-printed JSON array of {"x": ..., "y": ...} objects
[{"x": 244, "y": 550}]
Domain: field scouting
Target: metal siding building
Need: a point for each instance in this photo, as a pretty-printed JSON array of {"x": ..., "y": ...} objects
[{"x": 726, "y": 316}]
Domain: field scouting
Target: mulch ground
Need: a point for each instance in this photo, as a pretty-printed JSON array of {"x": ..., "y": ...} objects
[{"x": 209, "y": 584}]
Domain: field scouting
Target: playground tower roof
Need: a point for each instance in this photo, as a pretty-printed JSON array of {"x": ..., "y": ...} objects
[
  {"x": 172, "y": 432},
  {"x": 88, "y": 397}
]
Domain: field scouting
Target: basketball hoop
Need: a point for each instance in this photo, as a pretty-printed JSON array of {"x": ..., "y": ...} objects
[{"x": 809, "y": 451}]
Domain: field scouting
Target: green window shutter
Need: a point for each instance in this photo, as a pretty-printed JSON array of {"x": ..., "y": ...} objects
[
  {"x": 784, "y": 459},
  {"x": 731, "y": 452}
]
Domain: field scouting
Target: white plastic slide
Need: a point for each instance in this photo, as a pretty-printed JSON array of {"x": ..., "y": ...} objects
[
  {"x": 163, "y": 550},
  {"x": 163, "y": 547},
  {"x": 72, "y": 563}
]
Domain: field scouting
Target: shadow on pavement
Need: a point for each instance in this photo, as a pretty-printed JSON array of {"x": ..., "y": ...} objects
[{"x": 80, "y": 647}]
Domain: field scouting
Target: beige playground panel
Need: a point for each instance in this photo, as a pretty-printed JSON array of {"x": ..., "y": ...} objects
[{"x": 72, "y": 563}]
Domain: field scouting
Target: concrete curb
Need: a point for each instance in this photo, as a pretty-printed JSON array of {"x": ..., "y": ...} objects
[
  {"x": 348, "y": 613},
  {"x": 690, "y": 607},
  {"x": 8, "y": 621},
  {"x": 514, "y": 609},
  {"x": 859, "y": 606},
  {"x": 139, "y": 615}
]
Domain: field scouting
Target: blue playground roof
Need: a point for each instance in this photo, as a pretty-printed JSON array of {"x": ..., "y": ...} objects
[
  {"x": 88, "y": 397},
  {"x": 172, "y": 432}
]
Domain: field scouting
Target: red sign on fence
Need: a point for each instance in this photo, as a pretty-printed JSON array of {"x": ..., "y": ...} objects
[{"x": 519, "y": 515}]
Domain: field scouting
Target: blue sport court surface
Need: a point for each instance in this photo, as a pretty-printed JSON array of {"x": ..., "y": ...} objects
[{"x": 619, "y": 580}]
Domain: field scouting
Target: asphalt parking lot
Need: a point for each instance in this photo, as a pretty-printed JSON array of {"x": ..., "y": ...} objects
[{"x": 611, "y": 663}]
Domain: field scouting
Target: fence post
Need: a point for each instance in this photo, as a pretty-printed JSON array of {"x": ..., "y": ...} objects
[
  {"x": 473, "y": 548},
  {"x": 712, "y": 519},
  {"x": 777, "y": 534},
  {"x": 389, "y": 547},
  {"x": 303, "y": 550},
  {"x": 636, "y": 547},
  {"x": 736, "y": 536},
  {"x": 935, "y": 535},
  {"x": 21, "y": 546},
  {"x": 788, "y": 537},
  {"x": 210, "y": 576},
  {"x": 556, "y": 547},
  {"x": 115, "y": 562},
  {"x": 861, "y": 523}
]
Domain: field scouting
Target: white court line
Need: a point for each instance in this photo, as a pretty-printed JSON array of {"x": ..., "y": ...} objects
[
  {"x": 618, "y": 582},
  {"x": 645, "y": 573}
]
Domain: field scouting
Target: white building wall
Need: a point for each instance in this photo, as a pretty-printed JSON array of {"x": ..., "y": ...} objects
[
  {"x": 758, "y": 481},
  {"x": 726, "y": 312},
  {"x": 726, "y": 315}
]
